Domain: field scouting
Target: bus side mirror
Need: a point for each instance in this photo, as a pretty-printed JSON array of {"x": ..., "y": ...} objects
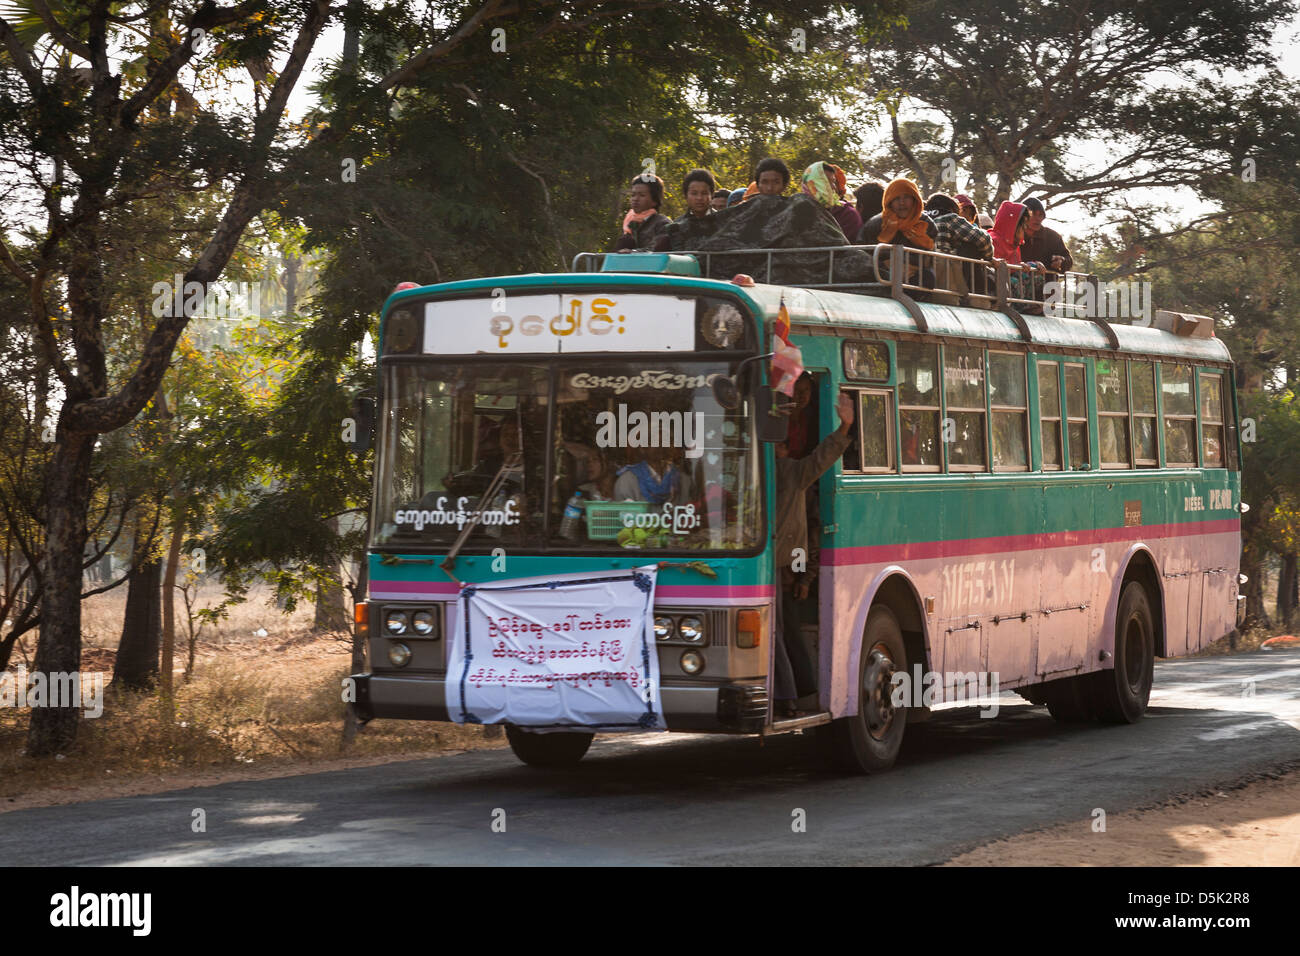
[
  {"x": 363, "y": 418},
  {"x": 772, "y": 422}
]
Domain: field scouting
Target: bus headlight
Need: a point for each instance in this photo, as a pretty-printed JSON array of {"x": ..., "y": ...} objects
[
  {"x": 395, "y": 622},
  {"x": 399, "y": 655},
  {"x": 663, "y": 628},
  {"x": 422, "y": 621},
  {"x": 691, "y": 628},
  {"x": 692, "y": 662}
]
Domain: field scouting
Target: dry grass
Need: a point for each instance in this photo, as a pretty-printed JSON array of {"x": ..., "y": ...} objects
[{"x": 263, "y": 701}]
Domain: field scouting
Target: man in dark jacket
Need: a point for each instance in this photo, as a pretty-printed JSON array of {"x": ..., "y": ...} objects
[
  {"x": 794, "y": 675},
  {"x": 957, "y": 236},
  {"x": 1043, "y": 244}
]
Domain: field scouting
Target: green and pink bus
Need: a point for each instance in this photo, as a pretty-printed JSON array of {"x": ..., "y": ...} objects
[{"x": 1049, "y": 499}]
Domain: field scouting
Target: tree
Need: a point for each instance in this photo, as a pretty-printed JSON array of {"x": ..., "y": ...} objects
[{"x": 1015, "y": 81}]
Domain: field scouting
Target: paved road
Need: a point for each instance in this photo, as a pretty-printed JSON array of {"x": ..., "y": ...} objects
[{"x": 671, "y": 799}]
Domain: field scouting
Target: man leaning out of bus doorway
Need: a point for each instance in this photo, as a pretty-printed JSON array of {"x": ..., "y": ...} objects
[{"x": 794, "y": 673}]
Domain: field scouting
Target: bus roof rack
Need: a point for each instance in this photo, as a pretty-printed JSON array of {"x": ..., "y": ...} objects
[{"x": 907, "y": 275}]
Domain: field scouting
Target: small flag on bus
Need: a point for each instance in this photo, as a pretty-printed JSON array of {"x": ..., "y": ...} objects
[{"x": 787, "y": 359}]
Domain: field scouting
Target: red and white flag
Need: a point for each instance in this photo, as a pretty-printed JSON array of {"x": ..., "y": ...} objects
[{"x": 787, "y": 359}]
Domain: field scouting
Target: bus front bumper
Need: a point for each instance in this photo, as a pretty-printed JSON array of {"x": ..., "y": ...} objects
[{"x": 739, "y": 707}]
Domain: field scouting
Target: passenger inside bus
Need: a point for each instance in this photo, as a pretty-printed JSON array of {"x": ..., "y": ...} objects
[{"x": 656, "y": 478}]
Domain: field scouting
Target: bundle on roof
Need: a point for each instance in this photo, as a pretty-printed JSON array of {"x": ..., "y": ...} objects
[{"x": 772, "y": 222}]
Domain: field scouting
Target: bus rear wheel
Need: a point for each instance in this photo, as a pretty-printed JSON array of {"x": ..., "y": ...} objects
[
  {"x": 548, "y": 750},
  {"x": 1120, "y": 695},
  {"x": 870, "y": 739}
]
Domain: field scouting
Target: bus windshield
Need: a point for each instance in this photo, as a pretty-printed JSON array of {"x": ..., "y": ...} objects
[{"x": 637, "y": 454}]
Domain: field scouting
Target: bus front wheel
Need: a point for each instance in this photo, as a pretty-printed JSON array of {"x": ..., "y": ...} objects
[
  {"x": 548, "y": 750},
  {"x": 1120, "y": 695},
  {"x": 870, "y": 739}
]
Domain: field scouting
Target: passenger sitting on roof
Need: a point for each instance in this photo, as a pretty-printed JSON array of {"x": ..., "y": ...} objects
[
  {"x": 771, "y": 177},
  {"x": 902, "y": 221},
  {"x": 719, "y": 201},
  {"x": 736, "y": 198},
  {"x": 1042, "y": 243},
  {"x": 1008, "y": 234},
  {"x": 697, "y": 186},
  {"x": 644, "y": 222},
  {"x": 825, "y": 182},
  {"x": 870, "y": 196},
  {"x": 965, "y": 207},
  {"x": 955, "y": 235}
]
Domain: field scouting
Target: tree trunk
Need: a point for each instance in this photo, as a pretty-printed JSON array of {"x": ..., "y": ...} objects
[
  {"x": 1287, "y": 583},
  {"x": 331, "y": 611},
  {"x": 137, "y": 654},
  {"x": 169, "y": 604},
  {"x": 54, "y": 729},
  {"x": 1004, "y": 189}
]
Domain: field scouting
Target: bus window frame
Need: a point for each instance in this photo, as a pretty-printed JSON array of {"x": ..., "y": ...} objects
[
  {"x": 1193, "y": 418},
  {"x": 1058, "y": 420},
  {"x": 1221, "y": 424},
  {"x": 1153, "y": 415},
  {"x": 1085, "y": 419},
  {"x": 946, "y": 416},
  {"x": 938, "y": 409},
  {"x": 891, "y": 441},
  {"x": 993, "y": 409},
  {"x": 1126, "y": 416}
]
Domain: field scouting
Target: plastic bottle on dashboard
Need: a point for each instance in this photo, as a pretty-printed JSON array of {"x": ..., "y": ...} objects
[{"x": 572, "y": 516}]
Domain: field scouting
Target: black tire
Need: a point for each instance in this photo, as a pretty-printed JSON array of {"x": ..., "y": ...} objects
[
  {"x": 548, "y": 750},
  {"x": 1121, "y": 694},
  {"x": 1033, "y": 693},
  {"x": 1069, "y": 700},
  {"x": 870, "y": 739}
]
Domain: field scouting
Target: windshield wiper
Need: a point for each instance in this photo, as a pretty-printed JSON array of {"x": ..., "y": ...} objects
[{"x": 449, "y": 563}]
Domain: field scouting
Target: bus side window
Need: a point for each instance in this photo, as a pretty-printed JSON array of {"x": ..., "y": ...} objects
[
  {"x": 1076, "y": 411},
  {"x": 1112, "y": 412},
  {"x": 1146, "y": 451},
  {"x": 963, "y": 382},
  {"x": 1010, "y": 406},
  {"x": 1049, "y": 414},
  {"x": 1212, "y": 418},
  {"x": 876, "y": 431},
  {"x": 918, "y": 406},
  {"x": 1180, "y": 415}
]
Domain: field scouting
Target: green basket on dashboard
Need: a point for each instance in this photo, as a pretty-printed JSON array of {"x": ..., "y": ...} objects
[{"x": 605, "y": 518}]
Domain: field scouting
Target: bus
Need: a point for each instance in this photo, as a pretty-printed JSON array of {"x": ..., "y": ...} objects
[{"x": 1035, "y": 498}]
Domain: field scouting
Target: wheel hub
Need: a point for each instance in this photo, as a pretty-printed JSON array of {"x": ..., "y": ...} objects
[{"x": 877, "y": 692}]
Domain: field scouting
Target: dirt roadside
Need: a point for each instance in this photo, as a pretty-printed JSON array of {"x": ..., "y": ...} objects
[{"x": 1254, "y": 821}]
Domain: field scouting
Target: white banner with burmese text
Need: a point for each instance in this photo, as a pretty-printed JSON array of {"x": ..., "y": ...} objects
[{"x": 552, "y": 653}]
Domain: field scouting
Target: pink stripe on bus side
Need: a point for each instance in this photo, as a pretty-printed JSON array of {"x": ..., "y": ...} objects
[
  {"x": 923, "y": 550},
  {"x": 401, "y": 589}
]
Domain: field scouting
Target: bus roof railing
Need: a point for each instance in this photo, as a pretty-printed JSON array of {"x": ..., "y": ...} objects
[{"x": 908, "y": 274}]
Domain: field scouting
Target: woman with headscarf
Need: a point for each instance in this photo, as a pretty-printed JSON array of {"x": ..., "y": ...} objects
[
  {"x": 825, "y": 183},
  {"x": 902, "y": 221},
  {"x": 1008, "y": 234},
  {"x": 644, "y": 223}
]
